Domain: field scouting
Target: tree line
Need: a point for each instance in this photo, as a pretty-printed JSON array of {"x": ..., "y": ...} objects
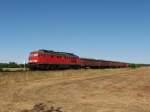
[{"x": 11, "y": 65}]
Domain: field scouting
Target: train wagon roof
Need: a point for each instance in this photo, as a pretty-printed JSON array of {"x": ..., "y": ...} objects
[
  {"x": 91, "y": 59},
  {"x": 55, "y": 53}
]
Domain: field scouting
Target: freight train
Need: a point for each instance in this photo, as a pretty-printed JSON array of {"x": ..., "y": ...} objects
[{"x": 47, "y": 60}]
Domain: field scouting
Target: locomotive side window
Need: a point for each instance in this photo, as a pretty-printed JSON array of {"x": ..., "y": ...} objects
[
  {"x": 59, "y": 57},
  {"x": 36, "y": 54}
]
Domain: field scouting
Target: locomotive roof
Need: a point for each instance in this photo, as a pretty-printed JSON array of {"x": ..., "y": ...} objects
[{"x": 55, "y": 53}]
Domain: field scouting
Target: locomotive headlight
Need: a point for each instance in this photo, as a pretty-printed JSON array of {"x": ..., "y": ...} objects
[
  {"x": 35, "y": 60},
  {"x": 31, "y": 61}
]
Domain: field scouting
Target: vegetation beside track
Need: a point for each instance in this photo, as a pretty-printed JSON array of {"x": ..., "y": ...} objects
[{"x": 83, "y": 90}]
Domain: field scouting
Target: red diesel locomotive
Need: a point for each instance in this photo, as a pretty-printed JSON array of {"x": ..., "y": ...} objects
[{"x": 45, "y": 60}]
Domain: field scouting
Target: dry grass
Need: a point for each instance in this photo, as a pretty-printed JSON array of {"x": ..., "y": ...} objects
[{"x": 114, "y": 90}]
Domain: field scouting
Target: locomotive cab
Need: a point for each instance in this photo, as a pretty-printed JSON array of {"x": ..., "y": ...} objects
[{"x": 33, "y": 57}]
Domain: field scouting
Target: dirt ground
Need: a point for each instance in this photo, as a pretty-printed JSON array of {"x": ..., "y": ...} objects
[{"x": 113, "y": 90}]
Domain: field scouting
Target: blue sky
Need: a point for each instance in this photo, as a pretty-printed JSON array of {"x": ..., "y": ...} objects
[{"x": 103, "y": 29}]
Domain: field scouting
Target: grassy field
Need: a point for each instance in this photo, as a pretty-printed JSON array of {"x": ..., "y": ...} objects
[{"x": 113, "y": 90}]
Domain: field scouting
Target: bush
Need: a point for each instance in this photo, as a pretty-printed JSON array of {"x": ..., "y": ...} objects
[
  {"x": 1, "y": 70},
  {"x": 9, "y": 65},
  {"x": 13, "y": 65},
  {"x": 134, "y": 65}
]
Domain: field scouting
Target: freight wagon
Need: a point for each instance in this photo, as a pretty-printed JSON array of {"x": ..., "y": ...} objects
[{"x": 93, "y": 63}]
